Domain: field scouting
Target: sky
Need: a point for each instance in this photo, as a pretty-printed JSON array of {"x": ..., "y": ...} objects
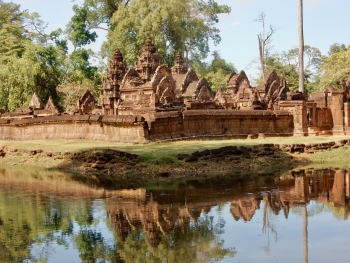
[{"x": 325, "y": 22}]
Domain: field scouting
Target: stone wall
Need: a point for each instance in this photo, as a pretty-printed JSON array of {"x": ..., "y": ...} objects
[
  {"x": 225, "y": 123},
  {"x": 104, "y": 128},
  {"x": 159, "y": 126}
]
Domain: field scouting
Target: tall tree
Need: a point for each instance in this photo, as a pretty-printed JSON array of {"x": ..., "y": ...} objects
[
  {"x": 11, "y": 31},
  {"x": 264, "y": 39},
  {"x": 287, "y": 64},
  {"x": 301, "y": 47},
  {"x": 174, "y": 25},
  {"x": 335, "y": 68},
  {"x": 98, "y": 13}
]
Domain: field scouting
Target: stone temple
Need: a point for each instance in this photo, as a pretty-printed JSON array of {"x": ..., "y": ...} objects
[{"x": 152, "y": 102}]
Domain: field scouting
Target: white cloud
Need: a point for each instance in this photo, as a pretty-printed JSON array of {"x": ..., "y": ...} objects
[{"x": 235, "y": 24}]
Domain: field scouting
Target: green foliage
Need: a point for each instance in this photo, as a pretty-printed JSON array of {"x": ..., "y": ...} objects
[
  {"x": 11, "y": 31},
  {"x": 336, "y": 47},
  {"x": 42, "y": 69},
  {"x": 80, "y": 59},
  {"x": 286, "y": 64},
  {"x": 35, "y": 28},
  {"x": 17, "y": 81},
  {"x": 55, "y": 36},
  {"x": 33, "y": 61},
  {"x": 335, "y": 68},
  {"x": 216, "y": 72},
  {"x": 80, "y": 33},
  {"x": 197, "y": 242},
  {"x": 174, "y": 25}
]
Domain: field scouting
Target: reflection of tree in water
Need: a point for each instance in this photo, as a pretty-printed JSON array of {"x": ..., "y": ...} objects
[
  {"x": 29, "y": 226},
  {"x": 153, "y": 232},
  {"x": 220, "y": 225},
  {"x": 196, "y": 243},
  {"x": 91, "y": 245},
  {"x": 268, "y": 223}
]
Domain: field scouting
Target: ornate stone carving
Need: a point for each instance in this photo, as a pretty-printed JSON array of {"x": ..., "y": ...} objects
[
  {"x": 203, "y": 91},
  {"x": 50, "y": 105},
  {"x": 149, "y": 60},
  {"x": 86, "y": 103},
  {"x": 111, "y": 83},
  {"x": 35, "y": 103},
  {"x": 179, "y": 65},
  {"x": 235, "y": 81},
  {"x": 190, "y": 77},
  {"x": 131, "y": 79},
  {"x": 166, "y": 90}
]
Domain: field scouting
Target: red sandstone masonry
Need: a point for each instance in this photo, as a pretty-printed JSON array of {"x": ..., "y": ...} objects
[
  {"x": 113, "y": 128},
  {"x": 160, "y": 126},
  {"x": 219, "y": 122}
]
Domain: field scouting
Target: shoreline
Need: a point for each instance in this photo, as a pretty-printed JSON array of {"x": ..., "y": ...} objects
[{"x": 234, "y": 158}]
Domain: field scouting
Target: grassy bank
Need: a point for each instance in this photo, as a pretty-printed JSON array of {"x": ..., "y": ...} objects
[{"x": 162, "y": 156}]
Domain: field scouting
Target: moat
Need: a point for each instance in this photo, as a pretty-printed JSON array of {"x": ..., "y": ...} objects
[{"x": 301, "y": 216}]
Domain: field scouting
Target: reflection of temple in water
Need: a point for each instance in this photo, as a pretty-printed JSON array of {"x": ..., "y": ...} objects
[{"x": 157, "y": 212}]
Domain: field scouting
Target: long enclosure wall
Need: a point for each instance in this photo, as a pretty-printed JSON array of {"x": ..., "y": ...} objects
[
  {"x": 194, "y": 123},
  {"x": 161, "y": 126},
  {"x": 103, "y": 128}
]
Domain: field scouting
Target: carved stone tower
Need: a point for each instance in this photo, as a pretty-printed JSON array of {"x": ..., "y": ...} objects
[
  {"x": 148, "y": 60},
  {"x": 179, "y": 65},
  {"x": 111, "y": 83}
]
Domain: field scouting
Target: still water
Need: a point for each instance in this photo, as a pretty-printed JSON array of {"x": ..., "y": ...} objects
[{"x": 56, "y": 217}]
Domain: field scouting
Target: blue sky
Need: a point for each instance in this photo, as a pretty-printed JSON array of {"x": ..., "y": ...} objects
[{"x": 325, "y": 22}]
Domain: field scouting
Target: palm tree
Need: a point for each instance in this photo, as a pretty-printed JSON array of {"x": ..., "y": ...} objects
[{"x": 301, "y": 48}]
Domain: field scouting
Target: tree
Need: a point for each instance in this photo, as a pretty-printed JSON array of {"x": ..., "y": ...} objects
[
  {"x": 301, "y": 47},
  {"x": 264, "y": 39},
  {"x": 11, "y": 31},
  {"x": 287, "y": 64},
  {"x": 33, "y": 61},
  {"x": 174, "y": 25},
  {"x": 216, "y": 72},
  {"x": 80, "y": 33},
  {"x": 35, "y": 28},
  {"x": 98, "y": 13},
  {"x": 336, "y": 47},
  {"x": 335, "y": 68}
]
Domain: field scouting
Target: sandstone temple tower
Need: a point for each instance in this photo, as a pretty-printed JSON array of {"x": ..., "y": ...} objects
[{"x": 111, "y": 84}]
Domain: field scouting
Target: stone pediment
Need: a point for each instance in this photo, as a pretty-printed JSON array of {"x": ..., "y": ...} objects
[
  {"x": 191, "y": 89},
  {"x": 199, "y": 90},
  {"x": 283, "y": 89},
  {"x": 50, "y": 105},
  {"x": 86, "y": 102},
  {"x": 166, "y": 89},
  {"x": 86, "y": 98},
  {"x": 35, "y": 103},
  {"x": 161, "y": 72},
  {"x": 132, "y": 79},
  {"x": 190, "y": 77},
  {"x": 271, "y": 79},
  {"x": 203, "y": 91},
  {"x": 235, "y": 80}
]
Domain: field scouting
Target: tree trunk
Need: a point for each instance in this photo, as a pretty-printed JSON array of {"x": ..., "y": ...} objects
[
  {"x": 261, "y": 54},
  {"x": 301, "y": 47},
  {"x": 305, "y": 235}
]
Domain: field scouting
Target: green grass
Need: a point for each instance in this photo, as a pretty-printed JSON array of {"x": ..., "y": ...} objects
[
  {"x": 165, "y": 152},
  {"x": 337, "y": 158}
]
